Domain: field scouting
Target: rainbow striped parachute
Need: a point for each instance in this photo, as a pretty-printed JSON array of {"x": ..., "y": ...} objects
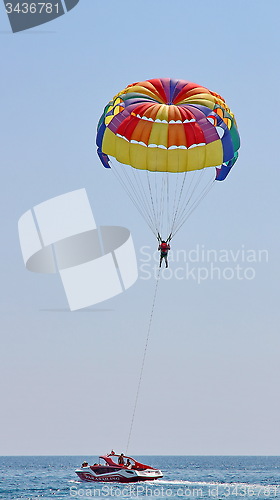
[{"x": 166, "y": 129}]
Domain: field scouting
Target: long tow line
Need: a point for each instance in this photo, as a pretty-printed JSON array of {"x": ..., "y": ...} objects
[{"x": 143, "y": 362}]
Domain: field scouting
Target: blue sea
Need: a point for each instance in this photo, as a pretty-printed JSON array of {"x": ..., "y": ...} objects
[{"x": 53, "y": 478}]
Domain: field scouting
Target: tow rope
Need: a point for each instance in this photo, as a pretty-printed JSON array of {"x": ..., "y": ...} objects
[{"x": 143, "y": 362}]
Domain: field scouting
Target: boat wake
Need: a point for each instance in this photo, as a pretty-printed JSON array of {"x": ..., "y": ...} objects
[{"x": 178, "y": 482}]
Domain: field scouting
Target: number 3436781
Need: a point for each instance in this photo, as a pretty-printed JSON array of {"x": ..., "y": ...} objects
[{"x": 32, "y": 8}]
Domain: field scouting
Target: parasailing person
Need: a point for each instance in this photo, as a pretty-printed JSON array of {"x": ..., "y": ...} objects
[{"x": 164, "y": 248}]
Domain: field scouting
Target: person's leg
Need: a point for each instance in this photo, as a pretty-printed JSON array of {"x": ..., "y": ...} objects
[
  {"x": 166, "y": 263},
  {"x": 160, "y": 261}
]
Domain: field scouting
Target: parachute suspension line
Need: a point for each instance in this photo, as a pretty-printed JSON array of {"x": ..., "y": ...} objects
[
  {"x": 143, "y": 362},
  {"x": 144, "y": 196},
  {"x": 138, "y": 193},
  {"x": 186, "y": 209},
  {"x": 185, "y": 205},
  {"x": 167, "y": 203},
  {"x": 136, "y": 204},
  {"x": 195, "y": 204},
  {"x": 175, "y": 202},
  {"x": 184, "y": 202},
  {"x": 176, "y": 211},
  {"x": 145, "y": 216},
  {"x": 152, "y": 203},
  {"x": 161, "y": 206},
  {"x": 161, "y": 203},
  {"x": 156, "y": 198},
  {"x": 176, "y": 189},
  {"x": 158, "y": 184}
]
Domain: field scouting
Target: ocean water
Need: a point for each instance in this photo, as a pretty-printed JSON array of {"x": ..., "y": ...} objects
[{"x": 53, "y": 478}]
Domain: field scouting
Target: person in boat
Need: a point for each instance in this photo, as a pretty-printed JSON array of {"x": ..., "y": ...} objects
[
  {"x": 128, "y": 463},
  {"x": 121, "y": 459},
  {"x": 85, "y": 464},
  {"x": 112, "y": 452},
  {"x": 164, "y": 249}
]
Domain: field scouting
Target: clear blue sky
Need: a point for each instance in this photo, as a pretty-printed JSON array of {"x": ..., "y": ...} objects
[{"x": 211, "y": 380}]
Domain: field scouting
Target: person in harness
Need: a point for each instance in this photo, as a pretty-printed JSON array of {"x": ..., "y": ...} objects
[{"x": 164, "y": 248}]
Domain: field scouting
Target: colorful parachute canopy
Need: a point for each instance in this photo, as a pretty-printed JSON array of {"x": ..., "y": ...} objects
[{"x": 168, "y": 126}]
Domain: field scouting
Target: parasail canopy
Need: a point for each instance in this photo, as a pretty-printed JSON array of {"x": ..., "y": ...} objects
[{"x": 165, "y": 127}]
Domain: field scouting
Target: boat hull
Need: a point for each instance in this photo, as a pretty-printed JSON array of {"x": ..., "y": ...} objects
[{"x": 124, "y": 476}]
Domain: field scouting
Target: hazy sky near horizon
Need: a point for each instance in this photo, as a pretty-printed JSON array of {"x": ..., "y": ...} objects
[{"x": 211, "y": 379}]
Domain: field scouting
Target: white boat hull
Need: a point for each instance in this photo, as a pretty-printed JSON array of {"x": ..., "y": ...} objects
[{"x": 120, "y": 476}]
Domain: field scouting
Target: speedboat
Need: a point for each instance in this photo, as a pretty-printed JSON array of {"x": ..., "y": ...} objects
[{"x": 117, "y": 468}]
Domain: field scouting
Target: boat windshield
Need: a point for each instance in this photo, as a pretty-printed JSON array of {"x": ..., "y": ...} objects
[{"x": 114, "y": 460}]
